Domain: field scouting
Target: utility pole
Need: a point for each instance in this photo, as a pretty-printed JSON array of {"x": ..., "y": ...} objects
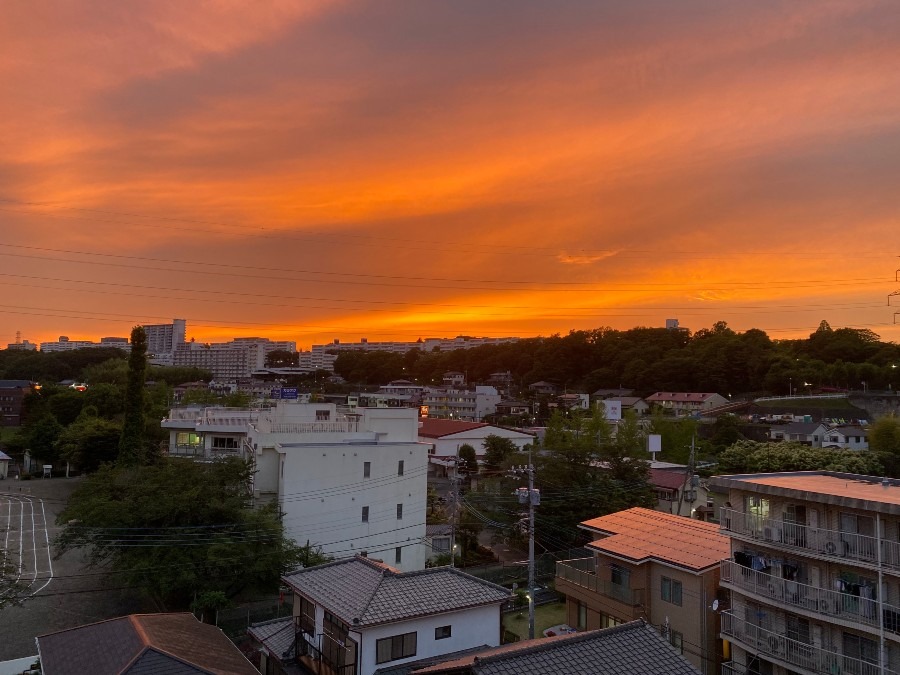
[
  {"x": 689, "y": 476},
  {"x": 454, "y": 495},
  {"x": 531, "y": 497}
]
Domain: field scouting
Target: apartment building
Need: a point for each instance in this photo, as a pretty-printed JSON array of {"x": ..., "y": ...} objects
[
  {"x": 64, "y": 344},
  {"x": 460, "y": 403},
  {"x": 813, "y": 572},
  {"x": 229, "y": 361},
  {"x": 654, "y": 566},
  {"x": 12, "y": 400},
  {"x": 686, "y": 403},
  {"x": 347, "y": 481},
  {"x": 164, "y": 338},
  {"x": 426, "y": 345}
]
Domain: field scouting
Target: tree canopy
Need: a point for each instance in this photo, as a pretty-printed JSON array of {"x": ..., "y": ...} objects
[
  {"x": 755, "y": 457},
  {"x": 178, "y": 528}
]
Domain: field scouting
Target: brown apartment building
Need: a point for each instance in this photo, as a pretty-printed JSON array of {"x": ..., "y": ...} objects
[{"x": 654, "y": 566}]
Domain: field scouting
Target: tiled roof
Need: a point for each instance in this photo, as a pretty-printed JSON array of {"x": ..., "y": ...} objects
[
  {"x": 4, "y": 456},
  {"x": 363, "y": 592},
  {"x": 276, "y": 635},
  {"x": 679, "y": 396},
  {"x": 438, "y": 529},
  {"x": 642, "y": 534},
  {"x": 797, "y": 427},
  {"x": 410, "y": 667},
  {"x": 629, "y": 649},
  {"x": 673, "y": 480},
  {"x": 140, "y": 644},
  {"x": 436, "y": 428},
  {"x": 15, "y": 384}
]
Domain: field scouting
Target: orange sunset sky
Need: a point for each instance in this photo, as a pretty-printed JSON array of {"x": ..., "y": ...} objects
[{"x": 314, "y": 170}]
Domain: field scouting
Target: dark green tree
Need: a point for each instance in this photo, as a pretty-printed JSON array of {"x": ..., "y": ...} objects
[
  {"x": 106, "y": 398},
  {"x": 468, "y": 459},
  {"x": 42, "y": 435},
  {"x": 133, "y": 443},
  {"x": 178, "y": 529},
  {"x": 755, "y": 457},
  {"x": 496, "y": 451},
  {"x": 89, "y": 442}
]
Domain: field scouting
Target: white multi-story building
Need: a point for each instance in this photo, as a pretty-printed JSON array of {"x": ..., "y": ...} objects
[
  {"x": 229, "y": 361},
  {"x": 64, "y": 344},
  {"x": 814, "y": 573},
  {"x": 460, "y": 403},
  {"x": 348, "y": 482},
  {"x": 427, "y": 345},
  {"x": 164, "y": 338}
]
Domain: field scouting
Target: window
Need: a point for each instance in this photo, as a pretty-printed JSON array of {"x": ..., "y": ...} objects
[
  {"x": 367, "y": 469},
  {"x": 440, "y": 544},
  {"x": 220, "y": 443},
  {"x": 365, "y": 514},
  {"x": 396, "y": 647},
  {"x": 671, "y": 591},
  {"x": 399, "y": 511},
  {"x": 860, "y": 648},
  {"x": 442, "y": 632},
  {"x": 400, "y": 468},
  {"x": 398, "y": 555},
  {"x": 619, "y": 575},
  {"x": 758, "y": 506},
  {"x": 677, "y": 640},
  {"x": 307, "y": 616},
  {"x": 323, "y": 415},
  {"x": 582, "y": 616}
]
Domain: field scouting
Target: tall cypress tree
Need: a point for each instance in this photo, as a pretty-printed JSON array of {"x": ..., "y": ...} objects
[{"x": 132, "y": 444}]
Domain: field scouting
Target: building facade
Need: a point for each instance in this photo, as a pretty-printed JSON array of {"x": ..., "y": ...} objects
[
  {"x": 653, "y": 566},
  {"x": 813, "y": 572}
]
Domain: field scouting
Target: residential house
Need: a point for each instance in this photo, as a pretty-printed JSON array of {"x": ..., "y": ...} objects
[
  {"x": 654, "y": 566},
  {"x": 543, "y": 388},
  {"x": 12, "y": 401},
  {"x": 4, "y": 464},
  {"x": 437, "y": 538},
  {"x": 139, "y": 644},
  {"x": 445, "y": 436},
  {"x": 633, "y": 648},
  {"x": 677, "y": 491},
  {"x": 808, "y": 433},
  {"x": 846, "y": 438},
  {"x": 357, "y": 616},
  {"x": 454, "y": 379},
  {"x": 513, "y": 408},
  {"x": 207, "y": 432},
  {"x": 686, "y": 403},
  {"x": 633, "y": 403},
  {"x": 574, "y": 401},
  {"x": 814, "y": 573}
]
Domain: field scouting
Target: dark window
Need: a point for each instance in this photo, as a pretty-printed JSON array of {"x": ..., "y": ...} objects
[
  {"x": 323, "y": 415},
  {"x": 677, "y": 640},
  {"x": 619, "y": 575},
  {"x": 399, "y": 511},
  {"x": 400, "y": 468},
  {"x": 396, "y": 647},
  {"x": 365, "y": 514},
  {"x": 307, "y": 616},
  {"x": 398, "y": 555},
  {"x": 441, "y": 632},
  {"x": 367, "y": 469},
  {"x": 670, "y": 591}
]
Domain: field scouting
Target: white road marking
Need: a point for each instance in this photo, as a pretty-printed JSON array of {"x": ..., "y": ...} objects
[{"x": 37, "y": 550}]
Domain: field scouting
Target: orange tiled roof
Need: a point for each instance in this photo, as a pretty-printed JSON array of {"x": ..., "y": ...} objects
[
  {"x": 853, "y": 487},
  {"x": 642, "y": 534}
]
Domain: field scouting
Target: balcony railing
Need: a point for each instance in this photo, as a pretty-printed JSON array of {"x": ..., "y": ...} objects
[
  {"x": 731, "y": 668},
  {"x": 823, "y": 601},
  {"x": 774, "y": 645},
  {"x": 832, "y": 544},
  {"x": 581, "y": 573},
  {"x": 321, "y": 427},
  {"x": 199, "y": 452}
]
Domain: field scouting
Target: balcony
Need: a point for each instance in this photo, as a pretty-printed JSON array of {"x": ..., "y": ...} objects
[
  {"x": 818, "y": 542},
  {"x": 199, "y": 452},
  {"x": 853, "y": 609},
  {"x": 794, "y": 653},
  {"x": 581, "y": 573}
]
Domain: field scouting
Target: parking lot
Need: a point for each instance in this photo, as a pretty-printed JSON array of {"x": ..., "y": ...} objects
[{"x": 58, "y": 593}]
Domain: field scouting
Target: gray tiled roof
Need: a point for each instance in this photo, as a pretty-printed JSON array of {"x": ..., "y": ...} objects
[
  {"x": 276, "y": 635},
  {"x": 630, "y": 649},
  {"x": 363, "y": 592}
]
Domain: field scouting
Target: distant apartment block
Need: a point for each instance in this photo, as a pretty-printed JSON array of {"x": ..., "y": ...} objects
[
  {"x": 64, "y": 344},
  {"x": 427, "y": 345},
  {"x": 814, "y": 573},
  {"x": 22, "y": 346},
  {"x": 12, "y": 401},
  {"x": 459, "y": 403},
  {"x": 686, "y": 403},
  {"x": 164, "y": 338},
  {"x": 229, "y": 361}
]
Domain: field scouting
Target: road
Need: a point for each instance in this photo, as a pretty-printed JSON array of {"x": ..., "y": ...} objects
[{"x": 59, "y": 592}]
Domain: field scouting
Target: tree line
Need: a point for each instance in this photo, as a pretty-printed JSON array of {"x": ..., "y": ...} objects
[{"x": 716, "y": 359}]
